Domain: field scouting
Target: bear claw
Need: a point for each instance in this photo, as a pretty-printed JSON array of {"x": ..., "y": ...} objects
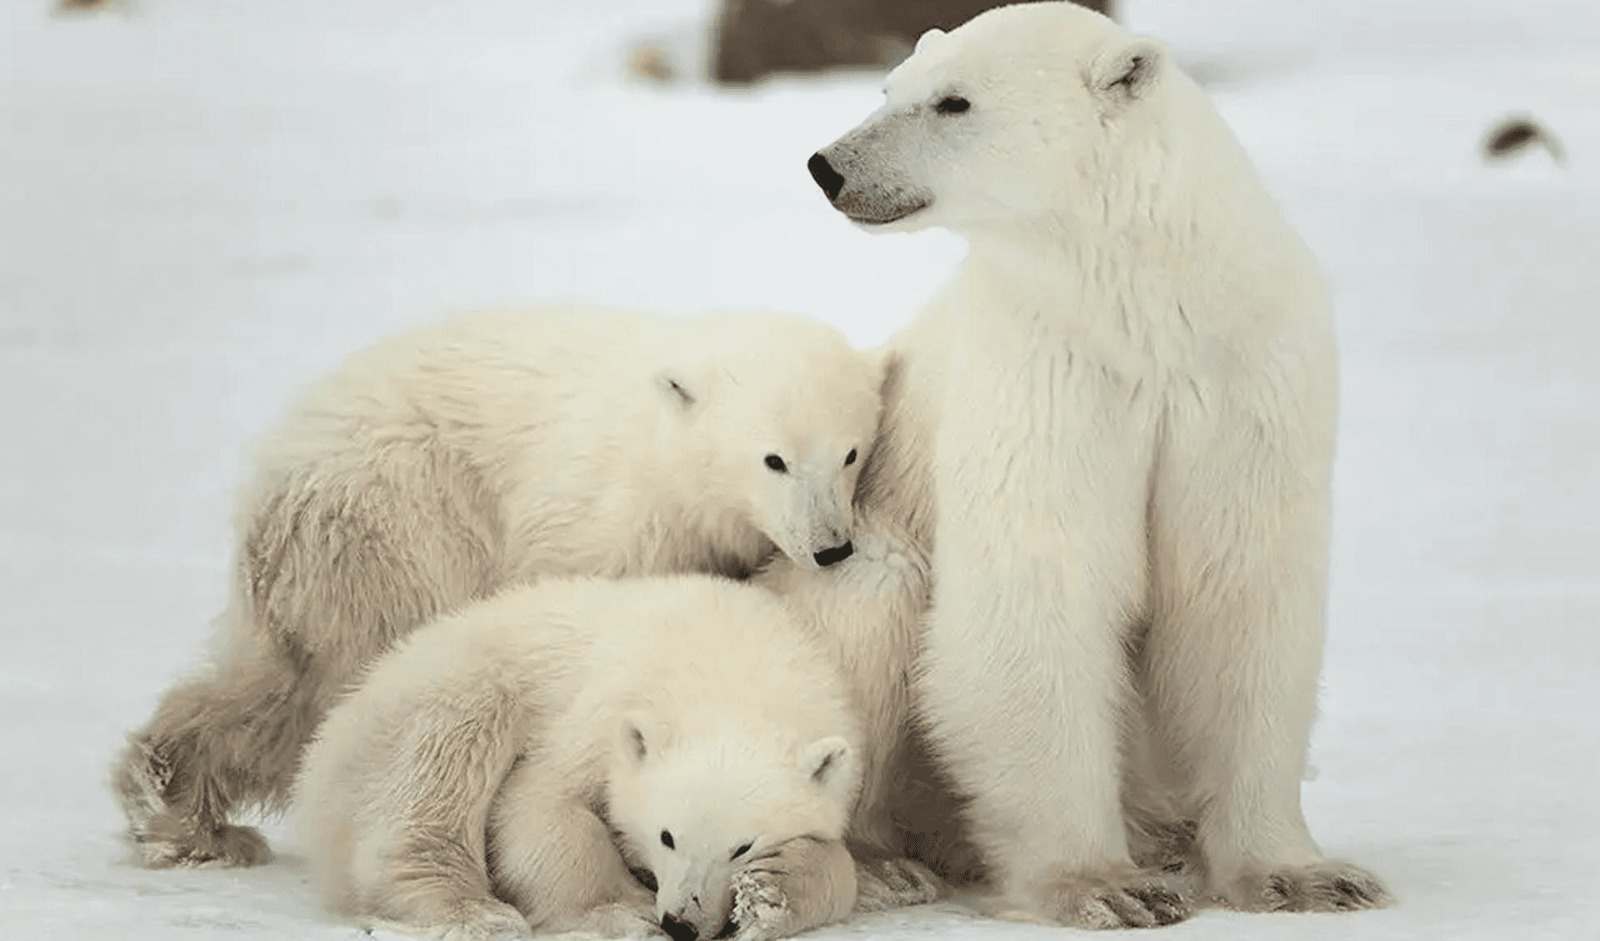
[
  {"x": 1325, "y": 886},
  {"x": 1135, "y": 898}
]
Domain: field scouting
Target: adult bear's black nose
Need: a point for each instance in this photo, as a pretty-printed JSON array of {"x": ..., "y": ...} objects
[
  {"x": 838, "y": 553},
  {"x": 826, "y": 176},
  {"x": 679, "y": 930}
]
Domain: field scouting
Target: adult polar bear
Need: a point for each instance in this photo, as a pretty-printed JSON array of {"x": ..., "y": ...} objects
[{"x": 1115, "y": 428}]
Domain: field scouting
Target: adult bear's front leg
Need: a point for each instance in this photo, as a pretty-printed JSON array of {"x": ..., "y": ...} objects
[
  {"x": 1039, "y": 570},
  {"x": 1024, "y": 707},
  {"x": 1240, "y": 543}
]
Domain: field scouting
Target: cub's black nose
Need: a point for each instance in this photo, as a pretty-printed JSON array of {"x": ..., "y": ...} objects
[
  {"x": 679, "y": 930},
  {"x": 826, "y": 176},
  {"x": 838, "y": 553}
]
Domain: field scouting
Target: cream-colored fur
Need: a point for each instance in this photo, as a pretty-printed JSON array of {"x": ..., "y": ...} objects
[
  {"x": 490, "y": 755},
  {"x": 436, "y": 467},
  {"x": 868, "y": 612},
  {"x": 1115, "y": 440}
]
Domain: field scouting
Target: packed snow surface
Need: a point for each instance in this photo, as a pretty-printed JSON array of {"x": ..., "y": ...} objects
[{"x": 204, "y": 204}]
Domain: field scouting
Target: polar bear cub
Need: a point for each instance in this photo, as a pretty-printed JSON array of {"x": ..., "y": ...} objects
[
  {"x": 490, "y": 756},
  {"x": 436, "y": 467}
]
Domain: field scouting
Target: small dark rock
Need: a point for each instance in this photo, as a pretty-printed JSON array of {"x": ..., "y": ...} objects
[{"x": 1515, "y": 135}]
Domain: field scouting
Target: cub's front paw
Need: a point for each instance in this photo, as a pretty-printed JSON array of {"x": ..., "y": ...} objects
[
  {"x": 1325, "y": 886},
  {"x": 795, "y": 887},
  {"x": 1120, "y": 898},
  {"x": 761, "y": 908}
]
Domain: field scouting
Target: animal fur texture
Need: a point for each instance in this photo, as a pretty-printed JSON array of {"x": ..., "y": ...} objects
[
  {"x": 867, "y": 612},
  {"x": 471, "y": 785},
  {"x": 437, "y": 467},
  {"x": 1113, "y": 432}
]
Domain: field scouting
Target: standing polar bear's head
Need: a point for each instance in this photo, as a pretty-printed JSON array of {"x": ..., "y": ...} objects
[
  {"x": 779, "y": 414},
  {"x": 1022, "y": 114},
  {"x": 696, "y": 809}
]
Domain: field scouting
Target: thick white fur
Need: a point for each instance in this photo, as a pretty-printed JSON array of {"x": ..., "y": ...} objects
[
  {"x": 1126, "y": 397},
  {"x": 868, "y": 611},
  {"x": 612, "y": 443},
  {"x": 436, "y": 467},
  {"x": 689, "y": 710}
]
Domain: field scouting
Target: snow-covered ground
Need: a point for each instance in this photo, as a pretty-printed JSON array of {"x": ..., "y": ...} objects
[{"x": 203, "y": 204}]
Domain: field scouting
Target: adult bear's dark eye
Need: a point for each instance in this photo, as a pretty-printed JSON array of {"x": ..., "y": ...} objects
[
  {"x": 666, "y": 839},
  {"x": 952, "y": 104},
  {"x": 850, "y": 458},
  {"x": 776, "y": 463},
  {"x": 743, "y": 849}
]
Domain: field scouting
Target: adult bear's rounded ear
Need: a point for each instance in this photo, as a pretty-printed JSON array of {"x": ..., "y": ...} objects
[{"x": 1127, "y": 70}]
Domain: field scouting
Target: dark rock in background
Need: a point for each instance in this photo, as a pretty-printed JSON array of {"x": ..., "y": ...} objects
[{"x": 756, "y": 38}]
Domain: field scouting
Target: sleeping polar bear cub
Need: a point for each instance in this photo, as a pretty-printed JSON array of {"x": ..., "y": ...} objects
[
  {"x": 1114, "y": 433},
  {"x": 438, "y": 466},
  {"x": 488, "y": 756}
]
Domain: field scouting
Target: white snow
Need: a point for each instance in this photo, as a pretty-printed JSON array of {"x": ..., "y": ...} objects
[{"x": 204, "y": 204}]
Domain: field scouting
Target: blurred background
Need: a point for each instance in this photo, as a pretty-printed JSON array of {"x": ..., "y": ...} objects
[{"x": 202, "y": 205}]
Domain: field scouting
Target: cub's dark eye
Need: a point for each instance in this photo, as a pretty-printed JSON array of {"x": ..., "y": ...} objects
[
  {"x": 952, "y": 104},
  {"x": 666, "y": 839},
  {"x": 743, "y": 849},
  {"x": 850, "y": 458},
  {"x": 776, "y": 463}
]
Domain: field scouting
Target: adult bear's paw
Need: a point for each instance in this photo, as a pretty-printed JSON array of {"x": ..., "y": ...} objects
[
  {"x": 1119, "y": 898},
  {"x": 1324, "y": 886}
]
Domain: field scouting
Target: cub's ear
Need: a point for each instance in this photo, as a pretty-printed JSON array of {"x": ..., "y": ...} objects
[
  {"x": 678, "y": 389},
  {"x": 639, "y": 737},
  {"x": 1127, "y": 71},
  {"x": 831, "y": 764},
  {"x": 928, "y": 40}
]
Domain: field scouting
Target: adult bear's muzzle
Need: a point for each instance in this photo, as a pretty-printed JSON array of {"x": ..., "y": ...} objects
[{"x": 861, "y": 178}]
